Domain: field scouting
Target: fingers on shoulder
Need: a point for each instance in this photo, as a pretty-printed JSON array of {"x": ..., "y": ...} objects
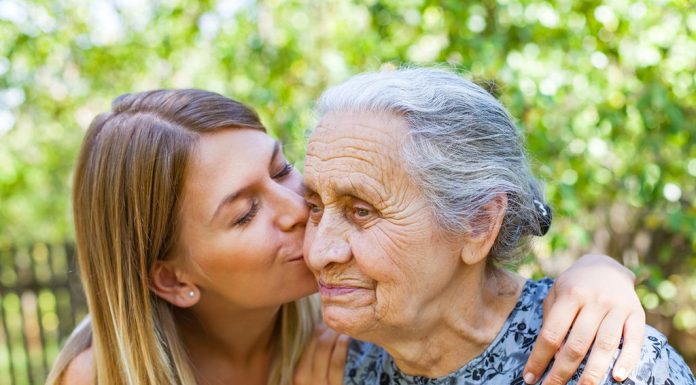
[
  {"x": 338, "y": 360},
  {"x": 80, "y": 371},
  {"x": 324, "y": 358}
]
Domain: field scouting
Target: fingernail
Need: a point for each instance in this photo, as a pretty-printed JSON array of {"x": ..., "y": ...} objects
[
  {"x": 620, "y": 374},
  {"x": 529, "y": 378}
]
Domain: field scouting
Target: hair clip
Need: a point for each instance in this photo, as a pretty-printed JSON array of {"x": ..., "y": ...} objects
[{"x": 544, "y": 216}]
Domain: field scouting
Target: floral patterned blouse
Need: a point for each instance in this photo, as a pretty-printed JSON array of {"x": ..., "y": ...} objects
[{"x": 504, "y": 359}]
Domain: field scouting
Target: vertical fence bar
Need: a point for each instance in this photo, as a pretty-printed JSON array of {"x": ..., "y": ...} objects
[
  {"x": 43, "y": 277},
  {"x": 31, "y": 329},
  {"x": 78, "y": 301},
  {"x": 14, "y": 321},
  {"x": 48, "y": 301},
  {"x": 8, "y": 278},
  {"x": 61, "y": 292},
  {"x": 23, "y": 265},
  {"x": 72, "y": 272},
  {"x": 6, "y": 335}
]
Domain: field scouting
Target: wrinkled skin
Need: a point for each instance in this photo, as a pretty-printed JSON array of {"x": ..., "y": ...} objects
[{"x": 386, "y": 271}]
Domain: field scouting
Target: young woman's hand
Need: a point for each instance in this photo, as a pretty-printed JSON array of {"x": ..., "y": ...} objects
[
  {"x": 324, "y": 359},
  {"x": 594, "y": 301}
]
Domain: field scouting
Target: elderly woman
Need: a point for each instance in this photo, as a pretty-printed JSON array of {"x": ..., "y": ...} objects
[{"x": 419, "y": 191}]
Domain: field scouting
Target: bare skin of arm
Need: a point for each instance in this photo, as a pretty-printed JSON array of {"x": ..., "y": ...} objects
[{"x": 593, "y": 304}]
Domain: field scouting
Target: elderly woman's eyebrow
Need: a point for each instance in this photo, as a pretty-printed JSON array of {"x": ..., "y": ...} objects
[
  {"x": 358, "y": 186},
  {"x": 308, "y": 185},
  {"x": 309, "y": 192}
]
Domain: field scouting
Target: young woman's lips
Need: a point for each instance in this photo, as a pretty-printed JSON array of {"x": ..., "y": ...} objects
[{"x": 295, "y": 259}]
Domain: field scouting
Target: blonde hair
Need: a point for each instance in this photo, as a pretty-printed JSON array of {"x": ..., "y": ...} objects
[{"x": 126, "y": 196}]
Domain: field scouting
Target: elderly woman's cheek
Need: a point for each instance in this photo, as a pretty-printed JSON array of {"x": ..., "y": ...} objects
[
  {"x": 379, "y": 251},
  {"x": 381, "y": 254},
  {"x": 310, "y": 234}
]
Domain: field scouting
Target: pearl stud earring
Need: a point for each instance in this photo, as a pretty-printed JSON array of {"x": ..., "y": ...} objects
[{"x": 191, "y": 293}]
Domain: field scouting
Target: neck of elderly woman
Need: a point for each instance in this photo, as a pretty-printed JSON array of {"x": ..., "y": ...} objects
[{"x": 456, "y": 326}]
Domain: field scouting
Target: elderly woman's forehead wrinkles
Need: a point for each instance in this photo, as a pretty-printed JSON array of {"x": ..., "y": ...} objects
[
  {"x": 352, "y": 146},
  {"x": 335, "y": 185},
  {"x": 362, "y": 186},
  {"x": 378, "y": 126},
  {"x": 380, "y": 186},
  {"x": 311, "y": 176},
  {"x": 351, "y": 160},
  {"x": 373, "y": 136}
]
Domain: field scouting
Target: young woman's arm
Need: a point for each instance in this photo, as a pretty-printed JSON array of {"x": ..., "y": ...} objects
[{"x": 592, "y": 304}]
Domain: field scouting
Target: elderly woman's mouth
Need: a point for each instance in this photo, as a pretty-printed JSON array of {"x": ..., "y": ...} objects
[{"x": 337, "y": 289}]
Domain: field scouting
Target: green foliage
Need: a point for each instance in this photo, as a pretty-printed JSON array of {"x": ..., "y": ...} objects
[{"x": 604, "y": 92}]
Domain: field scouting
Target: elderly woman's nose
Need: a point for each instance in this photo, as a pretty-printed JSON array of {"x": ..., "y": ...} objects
[
  {"x": 328, "y": 246},
  {"x": 292, "y": 210}
]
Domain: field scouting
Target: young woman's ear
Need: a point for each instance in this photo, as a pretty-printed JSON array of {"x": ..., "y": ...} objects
[
  {"x": 173, "y": 285},
  {"x": 485, "y": 229}
]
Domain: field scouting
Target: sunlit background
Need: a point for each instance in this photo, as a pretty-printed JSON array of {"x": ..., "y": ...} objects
[{"x": 604, "y": 92}]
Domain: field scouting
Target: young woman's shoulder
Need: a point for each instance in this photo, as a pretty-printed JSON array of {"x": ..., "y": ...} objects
[{"x": 80, "y": 370}]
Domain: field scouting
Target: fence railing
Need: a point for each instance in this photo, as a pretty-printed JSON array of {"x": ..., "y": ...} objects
[{"x": 41, "y": 301}]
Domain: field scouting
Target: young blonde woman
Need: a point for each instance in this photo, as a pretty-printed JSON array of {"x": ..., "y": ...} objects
[{"x": 189, "y": 225}]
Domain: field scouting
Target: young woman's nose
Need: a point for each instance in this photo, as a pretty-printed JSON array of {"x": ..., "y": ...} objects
[{"x": 292, "y": 209}]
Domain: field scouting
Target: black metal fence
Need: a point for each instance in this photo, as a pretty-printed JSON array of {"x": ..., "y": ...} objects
[{"x": 41, "y": 301}]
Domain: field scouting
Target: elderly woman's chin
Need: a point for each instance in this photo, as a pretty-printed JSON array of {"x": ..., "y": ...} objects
[{"x": 351, "y": 319}]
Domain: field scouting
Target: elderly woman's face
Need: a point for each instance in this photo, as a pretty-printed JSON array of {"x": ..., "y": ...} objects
[{"x": 371, "y": 241}]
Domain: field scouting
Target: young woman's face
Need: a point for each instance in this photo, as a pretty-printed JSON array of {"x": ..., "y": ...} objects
[{"x": 243, "y": 220}]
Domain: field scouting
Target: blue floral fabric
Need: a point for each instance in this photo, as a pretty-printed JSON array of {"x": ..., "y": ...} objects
[{"x": 504, "y": 359}]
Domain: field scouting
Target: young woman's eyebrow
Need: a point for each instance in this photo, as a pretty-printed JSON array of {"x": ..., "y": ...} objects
[
  {"x": 276, "y": 151},
  {"x": 229, "y": 198}
]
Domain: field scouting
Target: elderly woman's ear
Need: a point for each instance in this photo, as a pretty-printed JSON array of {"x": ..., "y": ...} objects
[{"x": 484, "y": 230}]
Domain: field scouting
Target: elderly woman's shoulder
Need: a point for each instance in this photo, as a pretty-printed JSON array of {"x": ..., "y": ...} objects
[
  {"x": 659, "y": 364},
  {"x": 80, "y": 371},
  {"x": 364, "y": 361}
]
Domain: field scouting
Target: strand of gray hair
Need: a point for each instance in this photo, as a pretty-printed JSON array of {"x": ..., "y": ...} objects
[{"x": 463, "y": 149}]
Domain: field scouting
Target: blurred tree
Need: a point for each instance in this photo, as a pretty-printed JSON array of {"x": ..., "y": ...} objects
[{"x": 604, "y": 91}]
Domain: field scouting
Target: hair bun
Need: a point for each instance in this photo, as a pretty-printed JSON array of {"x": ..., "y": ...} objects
[{"x": 543, "y": 216}]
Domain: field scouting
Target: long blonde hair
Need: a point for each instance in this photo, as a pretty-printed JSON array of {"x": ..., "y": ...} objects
[{"x": 126, "y": 196}]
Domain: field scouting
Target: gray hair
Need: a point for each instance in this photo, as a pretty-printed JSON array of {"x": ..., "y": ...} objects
[{"x": 463, "y": 150}]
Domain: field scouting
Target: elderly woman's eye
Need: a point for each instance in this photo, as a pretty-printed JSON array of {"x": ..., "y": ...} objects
[
  {"x": 363, "y": 215},
  {"x": 315, "y": 211},
  {"x": 362, "y": 212}
]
